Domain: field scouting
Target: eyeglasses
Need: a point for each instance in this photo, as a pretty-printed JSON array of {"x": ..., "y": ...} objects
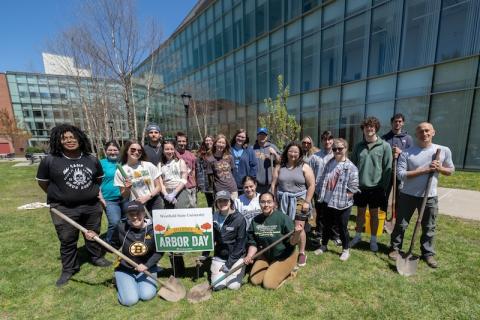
[
  {"x": 306, "y": 142},
  {"x": 133, "y": 150},
  {"x": 338, "y": 149},
  {"x": 266, "y": 202}
]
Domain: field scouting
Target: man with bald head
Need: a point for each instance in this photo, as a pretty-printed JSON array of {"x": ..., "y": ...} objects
[{"x": 413, "y": 168}]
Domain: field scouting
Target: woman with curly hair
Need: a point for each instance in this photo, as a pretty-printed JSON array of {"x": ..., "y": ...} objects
[
  {"x": 220, "y": 166},
  {"x": 71, "y": 178}
]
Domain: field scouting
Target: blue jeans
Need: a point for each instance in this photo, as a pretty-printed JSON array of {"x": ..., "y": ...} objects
[
  {"x": 133, "y": 287},
  {"x": 114, "y": 214}
]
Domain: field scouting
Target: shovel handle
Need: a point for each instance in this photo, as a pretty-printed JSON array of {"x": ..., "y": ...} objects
[
  {"x": 424, "y": 204},
  {"x": 258, "y": 254},
  {"x": 104, "y": 244},
  {"x": 132, "y": 190}
]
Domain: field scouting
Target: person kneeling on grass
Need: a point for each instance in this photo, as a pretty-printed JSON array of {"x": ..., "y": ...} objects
[
  {"x": 230, "y": 236},
  {"x": 339, "y": 182},
  {"x": 277, "y": 264},
  {"x": 135, "y": 239}
]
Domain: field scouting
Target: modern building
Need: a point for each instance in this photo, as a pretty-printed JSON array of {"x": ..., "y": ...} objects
[{"x": 343, "y": 60}]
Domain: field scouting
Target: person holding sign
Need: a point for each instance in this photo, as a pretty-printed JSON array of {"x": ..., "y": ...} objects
[
  {"x": 275, "y": 266},
  {"x": 135, "y": 239},
  {"x": 142, "y": 176},
  {"x": 174, "y": 173},
  {"x": 230, "y": 236}
]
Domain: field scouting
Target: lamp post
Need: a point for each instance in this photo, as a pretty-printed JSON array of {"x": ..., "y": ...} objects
[
  {"x": 186, "y": 103},
  {"x": 110, "y": 123}
]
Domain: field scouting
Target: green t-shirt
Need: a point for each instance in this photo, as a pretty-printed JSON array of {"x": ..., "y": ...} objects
[{"x": 265, "y": 230}]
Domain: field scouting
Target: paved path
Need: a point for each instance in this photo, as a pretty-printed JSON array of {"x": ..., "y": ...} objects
[{"x": 459, "y": 203}]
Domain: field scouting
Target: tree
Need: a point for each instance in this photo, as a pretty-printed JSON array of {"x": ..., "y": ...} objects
[
  {"x": 11, "y": 130},
  {"x": 282, "y": 127}
]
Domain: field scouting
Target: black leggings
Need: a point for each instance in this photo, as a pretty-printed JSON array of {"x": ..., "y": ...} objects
[{"x": 339, "y": 218}]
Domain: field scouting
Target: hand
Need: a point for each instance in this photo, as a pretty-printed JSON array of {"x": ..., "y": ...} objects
[
  {"x": 298, "y": 229},
  {"x": 169, "y": 197},
  {"x": 248, "y": 260},
  {"x": 103, "y": 202},
  {"x": 349, "y": 195},
  {"x": 224, "y": 269},
  {"x": 141, "y": 268},
  {"x": 272, "y": 152},
  {"x": 396, "y": 151},
  {"x": 305, "y": 207},
  {"x": 127, "y": 184},
  {"x": 435, "y": 166},
  {"x": 90, "y": 235},
  {"x": 144, "y": 199}
]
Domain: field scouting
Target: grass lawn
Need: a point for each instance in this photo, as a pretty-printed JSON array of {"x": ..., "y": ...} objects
[
  {"x": 461, "y": 180},
  {"x": 366, "y": 286}
]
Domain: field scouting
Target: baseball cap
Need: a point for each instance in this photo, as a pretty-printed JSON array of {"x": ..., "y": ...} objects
[
  {"x": 223, "y": 195},
  {"x": 135, "y": 206},
  {"x": 262, "y": 130},
  {"x": 153, "y": 126}
]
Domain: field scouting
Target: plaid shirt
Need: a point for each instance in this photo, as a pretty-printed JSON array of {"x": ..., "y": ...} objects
[{"x": 339, "y": 178}]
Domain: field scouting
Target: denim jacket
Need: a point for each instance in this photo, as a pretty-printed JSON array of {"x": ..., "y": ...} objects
[{"x": 347, "y": 181}]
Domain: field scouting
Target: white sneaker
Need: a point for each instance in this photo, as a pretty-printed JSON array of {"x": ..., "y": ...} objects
[
  {"x": 355, "y": 240},
  {"x": 321, "y": 250},
  {"x": 373, "y": 245},
  {"x": 345, "y": 255}
]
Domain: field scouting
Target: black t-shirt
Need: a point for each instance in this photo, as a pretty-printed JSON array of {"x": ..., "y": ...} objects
[
  {"x": 154, "y": 154},
  {"x": 71, "y": 181}
]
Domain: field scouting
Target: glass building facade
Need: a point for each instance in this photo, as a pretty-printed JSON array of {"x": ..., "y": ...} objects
[
  {"x": 342, "y": 60},
  {"x": 42, "y": 101}
]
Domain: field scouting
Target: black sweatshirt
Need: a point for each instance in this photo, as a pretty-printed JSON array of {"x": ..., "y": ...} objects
[{"x": 230, "y": 239}]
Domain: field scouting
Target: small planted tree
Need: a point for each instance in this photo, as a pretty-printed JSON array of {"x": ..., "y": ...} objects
[{"x": 282, "y": 126}]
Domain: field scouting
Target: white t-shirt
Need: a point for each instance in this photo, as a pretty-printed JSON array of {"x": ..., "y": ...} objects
[
  {"x": 142, "y": 177},
  {"x": 173, "y": 173},
  {"x": 248, "y": 208}
]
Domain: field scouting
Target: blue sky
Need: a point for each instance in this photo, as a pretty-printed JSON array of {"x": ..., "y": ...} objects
[{"x": 27, "y": 25}]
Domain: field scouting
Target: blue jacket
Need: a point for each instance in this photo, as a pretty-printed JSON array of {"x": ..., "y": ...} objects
[{"x": 247, "y": 165}]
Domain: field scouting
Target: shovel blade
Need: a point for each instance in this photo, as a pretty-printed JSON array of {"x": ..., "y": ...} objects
[
  {"x": 389, "y": 226},
  {"x": 173, "y": 290},
  {"x": 407, "y": 265},
  {"x": 200, "y": 292}
]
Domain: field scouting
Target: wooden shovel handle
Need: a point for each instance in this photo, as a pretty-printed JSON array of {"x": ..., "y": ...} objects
[
  {"x": 103, "y": 243},
  {"x": 258, "y": 254},
  {"x": 424, "y": 204}
]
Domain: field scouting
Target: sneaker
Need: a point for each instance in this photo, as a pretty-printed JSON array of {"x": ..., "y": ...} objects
[
  {"x": 431, "y": 262},
  {"x": 323, "y": 248},
  {"x": 393, "y": 255},
  {"x": 345, "y": 255},
  {"x": 337, "y": 242},
  {"x": 101, "y": 262},
  {"x": 302, "y": 259},
  {"x": 355, "y": 241},
  {"x": 64, "y": 277},
  {"x": 373, "y": 245}
]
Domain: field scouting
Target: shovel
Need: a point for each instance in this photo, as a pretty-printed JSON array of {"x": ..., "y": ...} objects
[
  {"x": 124, "y": 175},
  {"x": 203, "y": 292},
  {"x": 172, "y": 290},
  {"x": 407, "y": 264},
  {"x": 390, "y": 224}
]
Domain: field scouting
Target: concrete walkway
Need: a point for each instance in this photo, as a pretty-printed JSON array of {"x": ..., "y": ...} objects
[{"x": 459, "y": 203}]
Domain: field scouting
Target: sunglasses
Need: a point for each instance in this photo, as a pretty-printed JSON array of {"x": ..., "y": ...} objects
[
  {"x": 133, "y": 150},
  {"x": 337, "y": 149},
  {"x": 306, "y": 142}
]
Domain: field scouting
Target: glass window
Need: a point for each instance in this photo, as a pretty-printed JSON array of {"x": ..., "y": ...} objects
[
  {"x": 293, "y": 106},
  {"x": 419, "y": 32},
  {"x": 455, "y": 75},
  {"x": 383, "y": 111},
  {"x": 250, "y": 82},
  {"x": 210, "y": 44},
  {"x": 311, "y": 62},
  {"x": 276, "y": 69},
  {"x": 262, "y": 78},
  {"x": 252, "y": 119},
  {"x": 237, "y": 26},
  {"x": 309, "y": 4},
  {"x": 227, "y": 4},
  {"x": 380, "y": 89},
  {"x": 292, "y": 62},
  {"x": 385, "y": 38},
  {"x": 450, "y": 115},
  {"x": 261, "y": 17},
  {"x": 333, "y": 12},
  {"x": 415, "y": 111},
  {"x": 293, "y": 30},
  {"x": 275, "y": 13},
  {"x": 262, "y": 45},
  {"x": 250, "y": 51},
  {"x": 415, "y": 83},
  {"x": 331, "y": 62},
  {"x": 218, "y": 9},
  {"x": 276, "y": 38},
  {"x": 356, "y": 5},
  {"x": 249, "y": 20},
  {"x": 240, "y": 84},
  {"x": 229, "y": 61},
  {"x": 457, "y": 21},
  {"x": 350, "y": 119},
  {"x": 209, "y": 15},
  {"x": 239, "y": 56},
  {"x": 353, "y": 93},
  {"x": 218, "y": 39},
  {"x": 354, "y": 49},
  {"x": 330, "y": 110},
  {"x": 227, "y": 33},
  {"x": 309, "y": 123},
  {"x": 472, "y": 160},
  {"x": 312, "y": 21},
  {"x": 220, "y": 66},
  {"x": 201, "y": 20},
  {"x": 310, "y": 101},
  {"x": 293, "y": 8}
]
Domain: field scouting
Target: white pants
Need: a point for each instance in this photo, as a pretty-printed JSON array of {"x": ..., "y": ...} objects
[{"x": 233, "y": 281}]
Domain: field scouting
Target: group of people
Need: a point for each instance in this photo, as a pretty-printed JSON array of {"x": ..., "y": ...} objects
[{"x": 258, "y": 194}]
